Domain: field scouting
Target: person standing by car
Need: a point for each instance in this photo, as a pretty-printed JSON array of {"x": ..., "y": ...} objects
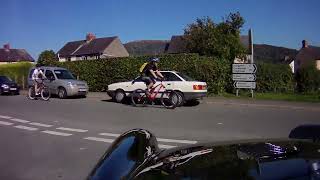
[
  {"x": 150, "y": 72},
  {"x": 37, "y": 77}
]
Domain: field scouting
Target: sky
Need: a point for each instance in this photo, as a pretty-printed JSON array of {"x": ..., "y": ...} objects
[{"x": 38, "y": 25}]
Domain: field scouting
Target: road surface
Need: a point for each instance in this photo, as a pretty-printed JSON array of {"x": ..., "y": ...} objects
[{"x": 63, "y": 139}]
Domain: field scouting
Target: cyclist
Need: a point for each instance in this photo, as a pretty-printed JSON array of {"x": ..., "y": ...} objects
[
  {"x": 37, "y": 77},
  {"x": 150, "y": 72}
]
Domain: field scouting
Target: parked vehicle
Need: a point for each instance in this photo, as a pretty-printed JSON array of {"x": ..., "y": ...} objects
[
  {"x": 61, "y": 82},
  {"x": 8, "y": 86},
  {"x": 136, "y": 155},
  {"x": 186, "y": 87}
]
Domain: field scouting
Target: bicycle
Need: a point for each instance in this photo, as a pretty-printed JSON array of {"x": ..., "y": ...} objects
[
  {"x": 43, "y": 89},
  {"x": 169, "y": 98}
]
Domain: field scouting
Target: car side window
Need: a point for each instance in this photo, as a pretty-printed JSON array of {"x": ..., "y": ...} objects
[
  {"x": 138, "y": 79},
  {"x": 31, "y": 72},
  {"x": 49, "y": 74},
  {"x": 170, "y": 76}
]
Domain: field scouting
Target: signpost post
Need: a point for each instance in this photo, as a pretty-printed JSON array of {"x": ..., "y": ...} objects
[{"x": 244, "y": 74}]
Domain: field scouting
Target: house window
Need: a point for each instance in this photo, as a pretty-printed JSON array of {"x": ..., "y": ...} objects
[{"x": 69, "y": 59}]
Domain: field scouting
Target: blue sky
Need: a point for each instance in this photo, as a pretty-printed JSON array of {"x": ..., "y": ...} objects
[{"x": 38, "y": 25}]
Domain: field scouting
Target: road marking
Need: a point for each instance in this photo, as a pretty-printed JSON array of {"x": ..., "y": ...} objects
[
  {"x": 71, "y": 129},
  {"x": 176, "y": 141},
  {"x": 5, "y": 123},
  {"x": 163, "y": 146},
  {"x": 26, "y": 128},
  {"x": 159, "y": 139},
  {"x": 40, "y": 124},
  {"x": 5, "y": 117},
  {"x": 219, "y": 123},
  {"x": 99, "y": 139},
  {"x": 56, "y": 133},
  {"x": 19, "y": 120},
  {"x": 109, "y": 134}
]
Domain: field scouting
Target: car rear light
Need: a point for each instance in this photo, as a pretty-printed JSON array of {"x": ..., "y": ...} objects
[{"x": 199, "y": 87}]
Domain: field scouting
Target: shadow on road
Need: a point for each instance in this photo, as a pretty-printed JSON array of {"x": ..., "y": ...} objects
[{"x": 127, "y": 102}]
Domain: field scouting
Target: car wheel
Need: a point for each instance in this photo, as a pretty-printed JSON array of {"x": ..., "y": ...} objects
[
  {"x": 181, "y": 98},
  {"x": 119, "y": 96},
  {"x": 62, "y": 93}
]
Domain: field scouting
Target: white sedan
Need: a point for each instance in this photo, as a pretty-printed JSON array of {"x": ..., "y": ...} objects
[{"x": 186, "y": 87}]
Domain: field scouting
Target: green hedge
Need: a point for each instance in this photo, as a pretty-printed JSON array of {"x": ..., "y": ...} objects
[
  {"x": 17, "y": 72},
  {"x": 217, "y": 73},
  {"x": 274, "y": 78},
  {"x": 308, "y": 79},
  {"x": 100, "y": 73}
]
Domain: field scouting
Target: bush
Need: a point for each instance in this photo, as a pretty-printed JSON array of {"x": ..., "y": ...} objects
[
  {"x": 17, "y": 72},
  {"x": 216, "y": 72},
  {"x": 274, "y": 78},
  {"x": 308, "y": 79},
  {"x": 100, "y": 73}
]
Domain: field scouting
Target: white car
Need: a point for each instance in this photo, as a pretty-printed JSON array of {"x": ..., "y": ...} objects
[{"x": 187, "y": 88}]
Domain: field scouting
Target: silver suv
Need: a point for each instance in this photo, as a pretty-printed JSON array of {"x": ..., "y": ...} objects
[{"x": 61, "y": 82}]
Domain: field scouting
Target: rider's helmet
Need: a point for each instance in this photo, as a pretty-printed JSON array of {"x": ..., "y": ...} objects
[{"x": 154, "y": 59}]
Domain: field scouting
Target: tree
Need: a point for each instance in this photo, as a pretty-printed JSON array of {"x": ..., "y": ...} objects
[
  {"x": 220, "y": 40},
  {"x": 308, "y": 78},
  {"x": 47, "y": 57}
]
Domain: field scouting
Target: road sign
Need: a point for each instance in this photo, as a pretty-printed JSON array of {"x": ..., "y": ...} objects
[
  {"x": 244, "y": 68},
  {"x": 244, "y": 85},
  {"x": 243, "y": 77}
]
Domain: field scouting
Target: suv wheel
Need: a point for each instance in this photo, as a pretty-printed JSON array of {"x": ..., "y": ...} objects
[{"x": 62, "y": 93}]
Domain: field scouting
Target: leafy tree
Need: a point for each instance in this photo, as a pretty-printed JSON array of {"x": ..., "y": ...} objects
[
  {"x": 47, "y": 57},
  {"x": 308, "y": 78},
  {"x": 220, "y": 40}
]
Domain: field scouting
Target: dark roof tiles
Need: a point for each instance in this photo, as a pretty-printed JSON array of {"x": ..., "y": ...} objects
[{"x": 15, "y": 55}]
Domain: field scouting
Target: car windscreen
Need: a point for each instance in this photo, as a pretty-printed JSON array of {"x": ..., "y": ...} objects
[
  {"x": 63, "y": 74},
  {"x": 185, "y": 77},
  {"x": 5, "y": 79}
]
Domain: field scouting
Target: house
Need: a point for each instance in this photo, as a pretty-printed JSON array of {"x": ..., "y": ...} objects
[
  {"x": 307, "y": 54},
  {"x": 176, "y": 45},
  {"x": 147, "y": 47},
  {"x": 8, "y": 55},
  {"x": 92, "y": 48}
]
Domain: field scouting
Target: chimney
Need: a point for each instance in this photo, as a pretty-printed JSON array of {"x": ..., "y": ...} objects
[
  {"x": 6, "y": 47},
  {"x": 90, "y": 37},
  {"x": 305, "y": 44}
]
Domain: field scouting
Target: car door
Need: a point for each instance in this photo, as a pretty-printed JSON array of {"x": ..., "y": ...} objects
[
  {"x": 51, "y": 82},
  {"x": 171, "y": 80},
  {"x": 135, "y": 84}
]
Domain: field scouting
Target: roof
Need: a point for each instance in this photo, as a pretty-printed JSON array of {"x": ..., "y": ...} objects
[
  {"x": 83, "y": 47},
  {"x": 50, "y": 68},
  {"x": 177, "y": 45},
  {"x": 147, "y": 47},
  {"x": 15, "y": 55},
  {"x": 244, "y": 39},
  {"x": 309, "y": 53}
]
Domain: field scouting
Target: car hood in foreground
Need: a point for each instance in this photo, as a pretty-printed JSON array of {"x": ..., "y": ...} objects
[{"x": 135, "y": 155}]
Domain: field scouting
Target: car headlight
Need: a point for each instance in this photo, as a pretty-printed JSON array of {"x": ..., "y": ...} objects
[
  {"x": 71, "y": 84},
  {"x": 4, "y": 86}
]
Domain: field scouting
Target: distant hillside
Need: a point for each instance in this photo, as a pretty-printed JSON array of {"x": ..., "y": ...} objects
[
  {"x": 146, "y": 47},
  {"x": 273, "y": 54},
  {"x": 263, "y": 52}
]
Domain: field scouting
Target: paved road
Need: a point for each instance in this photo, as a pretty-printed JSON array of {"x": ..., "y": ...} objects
[{"x": 63, "y": 139}]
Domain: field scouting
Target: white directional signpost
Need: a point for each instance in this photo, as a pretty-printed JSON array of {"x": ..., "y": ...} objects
[
  {"x": 243, "y": 74},
  {"x": 244, "y": 77}
]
